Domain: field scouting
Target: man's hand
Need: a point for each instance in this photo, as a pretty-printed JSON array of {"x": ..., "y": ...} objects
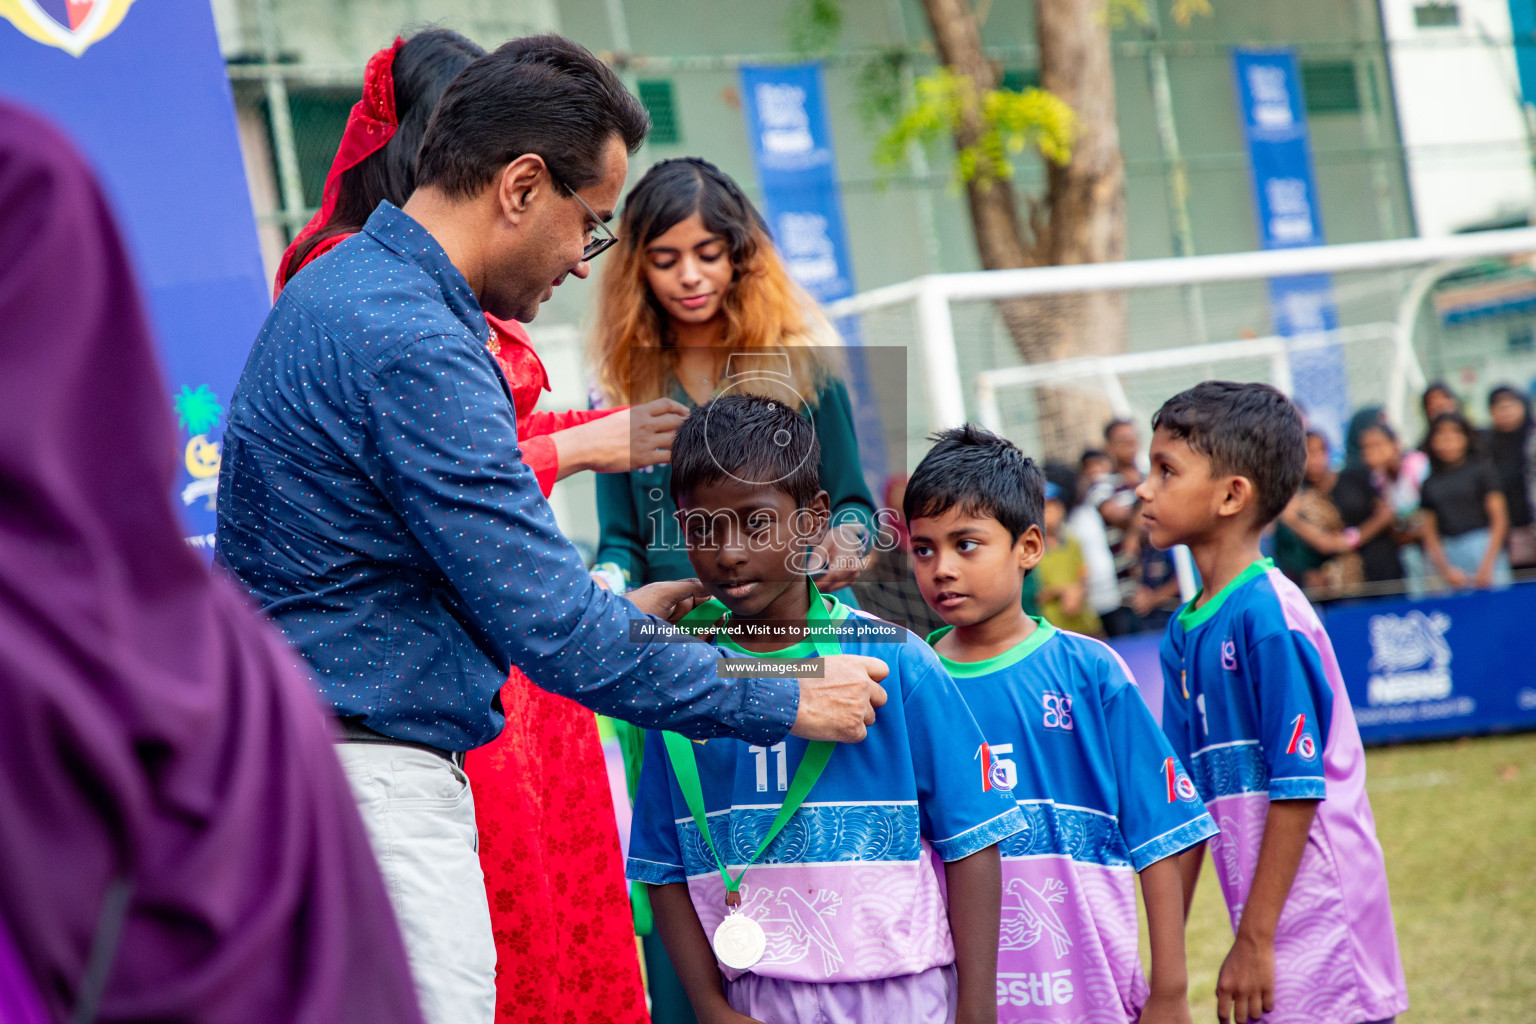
[
  {"x": 628, "y": 439},
  {"x": 671, "y": 600},
  {"x": 1245, "y": 988},
  {"x": 1143, "y": 601},
  {"x": 840, "y": 706}
]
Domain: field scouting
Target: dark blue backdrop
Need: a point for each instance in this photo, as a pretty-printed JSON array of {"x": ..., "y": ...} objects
[
  {"x": 150, "y": 105},
  {"x": 1455, "y": 665}
]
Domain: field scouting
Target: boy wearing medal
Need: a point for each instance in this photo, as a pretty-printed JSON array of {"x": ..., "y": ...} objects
[
  {"x": 1072, "y": 742},
  {"x": 818, "y": 890}
]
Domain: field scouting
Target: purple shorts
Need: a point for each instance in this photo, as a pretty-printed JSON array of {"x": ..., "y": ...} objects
[{"x": 925, "y": 998}]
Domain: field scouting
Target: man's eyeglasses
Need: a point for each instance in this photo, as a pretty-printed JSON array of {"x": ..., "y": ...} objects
[{"x": 604, "y": 241}]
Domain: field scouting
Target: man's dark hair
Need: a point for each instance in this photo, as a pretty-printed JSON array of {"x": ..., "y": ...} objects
[
  {"x": 1114, "y": 425},
  {"x": 1248, "y": 430},
  {"x": 751, "y": 439},
  {"x": 1065, "y": 479},
  {"x": 540, "y": 94},
  {"x": 981, "y": 473}
]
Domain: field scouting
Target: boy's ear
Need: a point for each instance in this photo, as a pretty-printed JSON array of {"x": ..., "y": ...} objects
[
  {"x": 820, "y": 508},
  {"x": 1030, "y": 547},
  {"x": 1240, "y": 496}
]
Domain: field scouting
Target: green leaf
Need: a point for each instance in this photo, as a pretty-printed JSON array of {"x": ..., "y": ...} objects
[
  {"x": 814, "y": 25},
  {"x": 1012, "y": 121}
]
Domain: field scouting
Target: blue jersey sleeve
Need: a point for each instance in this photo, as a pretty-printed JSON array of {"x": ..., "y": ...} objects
[
  {"x": 655, "y": 855},
  {"x": 1295, "y": 706},
  {"x": 1176, "y": 704},
  {"x": 1161, "y": 813},
  {"x": 960, "y": 811}
]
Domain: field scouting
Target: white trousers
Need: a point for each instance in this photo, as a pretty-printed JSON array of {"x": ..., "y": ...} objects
[{"x": 421, "y": 824}]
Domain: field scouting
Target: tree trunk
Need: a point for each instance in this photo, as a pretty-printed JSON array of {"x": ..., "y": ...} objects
[
  {"x": 1085, "y": 200},
  {"x": 994, "y": 214},
  {"x": 1082, "y": 219}
]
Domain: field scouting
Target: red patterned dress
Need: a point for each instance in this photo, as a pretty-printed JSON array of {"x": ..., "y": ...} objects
[{"x": 565, "y": 941}]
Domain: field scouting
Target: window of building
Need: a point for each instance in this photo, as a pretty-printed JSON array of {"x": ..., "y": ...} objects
[
  {"x": 319, "y": 118},
  {"x": 1019, "y": 79},
  {"x": 656, "y": 95},
  {"x": 1437, "y": 15},
  {"x": 1330, "y": 87}
]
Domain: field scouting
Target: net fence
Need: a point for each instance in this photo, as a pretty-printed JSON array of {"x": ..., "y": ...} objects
[{"x": 1048, "y": 356}]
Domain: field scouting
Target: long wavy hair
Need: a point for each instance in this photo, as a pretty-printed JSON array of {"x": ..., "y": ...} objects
[{"x": 633, "y": 352}]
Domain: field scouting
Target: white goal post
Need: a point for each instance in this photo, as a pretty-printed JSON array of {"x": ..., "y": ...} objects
[{"x": 1382, "y": 286}]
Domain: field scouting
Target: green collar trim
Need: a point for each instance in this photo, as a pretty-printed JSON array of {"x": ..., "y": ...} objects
[
  {"x": 836, "y": 612},
  {"x": 1191, "y": 616},
  {"x": 1012, "y": 656}
]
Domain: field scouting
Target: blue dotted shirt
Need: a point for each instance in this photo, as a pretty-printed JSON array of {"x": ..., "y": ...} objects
[{"x": 373, "y": 500}]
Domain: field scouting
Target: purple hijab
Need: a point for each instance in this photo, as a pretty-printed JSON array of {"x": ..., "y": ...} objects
[{"x": 151, "y": 727}]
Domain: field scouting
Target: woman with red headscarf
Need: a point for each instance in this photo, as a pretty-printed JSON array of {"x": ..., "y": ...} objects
[{"x": 548, "y": 840}]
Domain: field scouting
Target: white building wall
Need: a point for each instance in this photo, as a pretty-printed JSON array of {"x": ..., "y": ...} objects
[{"x": 1462, "y": 120}]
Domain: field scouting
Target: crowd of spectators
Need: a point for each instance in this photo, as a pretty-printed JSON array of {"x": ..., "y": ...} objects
[
  {"x": 1452, "y": 512},
  {"x": 1380, "y": 517}
]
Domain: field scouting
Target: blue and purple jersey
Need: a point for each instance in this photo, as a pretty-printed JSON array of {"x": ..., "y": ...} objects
[
  {"x": 1071, "y": 740},
  {"x": 850, "y": 890},
  {"x": 1255, "y": 705}
]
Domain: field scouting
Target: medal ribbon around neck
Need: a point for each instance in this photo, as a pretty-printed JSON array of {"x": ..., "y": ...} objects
[{"x": 817, "y": 752}]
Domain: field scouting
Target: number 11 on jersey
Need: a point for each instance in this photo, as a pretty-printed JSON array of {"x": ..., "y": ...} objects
[{"x": 761, "y": 753}]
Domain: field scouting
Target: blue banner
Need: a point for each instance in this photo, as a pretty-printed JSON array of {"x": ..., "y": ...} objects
[
  {"x": 141, "y": 88},
  {"x": 791, "y": 139},
  {"x": 1440, "y": 666},
  {"x": 1456, "y": 665},
  {"x": 1274, "y": 116}
]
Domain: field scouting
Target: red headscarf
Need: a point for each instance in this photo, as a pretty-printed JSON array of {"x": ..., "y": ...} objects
[{"x": 370, "y": 126}]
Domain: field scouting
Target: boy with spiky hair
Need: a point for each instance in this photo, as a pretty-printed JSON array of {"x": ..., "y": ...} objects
[
  {"x": 852, "y": 884},
  {"x": 1070, "y": 740},
  {"x": 1255, "y": 705}
]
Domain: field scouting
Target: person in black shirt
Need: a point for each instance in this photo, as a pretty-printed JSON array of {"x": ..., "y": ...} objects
[
  {"x": 1508, "y": 444},
  {"x": 1465, "y": 519},
  {"x": 1360, "y": 501}
]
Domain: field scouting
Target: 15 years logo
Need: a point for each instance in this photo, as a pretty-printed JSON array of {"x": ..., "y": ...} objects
[{"x": 71, "y": 25}]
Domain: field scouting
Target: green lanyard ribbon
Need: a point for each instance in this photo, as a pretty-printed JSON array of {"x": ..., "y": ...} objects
[{"x": 685, "y": 764}]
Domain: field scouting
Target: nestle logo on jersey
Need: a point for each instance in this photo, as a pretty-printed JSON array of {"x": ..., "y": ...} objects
[{"x": 1044, "y": 989}]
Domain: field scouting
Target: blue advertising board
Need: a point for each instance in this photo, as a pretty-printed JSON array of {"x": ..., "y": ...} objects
[
  {"x": 791, "y": 140},
  {"x": 1274, "y": 117},
  {"x": 1434, "y": 667},
  {"x": 141, "y": 89},
  {"x": 1439, "y": 666}
]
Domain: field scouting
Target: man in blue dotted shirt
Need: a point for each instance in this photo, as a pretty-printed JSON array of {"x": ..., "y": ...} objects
[{"x": 372, "y": 499}]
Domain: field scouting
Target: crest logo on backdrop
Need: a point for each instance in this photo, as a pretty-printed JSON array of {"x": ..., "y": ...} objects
[{"x": 71, "y": 25}]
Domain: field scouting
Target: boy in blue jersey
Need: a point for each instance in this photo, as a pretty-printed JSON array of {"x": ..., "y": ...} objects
[
  {"x": 1255, "y": 705},
  {"x": 847, "y": 904},
  {"x": 1070, "y": 739}
]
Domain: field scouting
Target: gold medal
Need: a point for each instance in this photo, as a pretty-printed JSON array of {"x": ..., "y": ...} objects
[{"x": 739, "y": 942}]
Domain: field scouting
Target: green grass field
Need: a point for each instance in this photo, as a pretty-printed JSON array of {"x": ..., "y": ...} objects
[{"x": 1458, "y": 823}]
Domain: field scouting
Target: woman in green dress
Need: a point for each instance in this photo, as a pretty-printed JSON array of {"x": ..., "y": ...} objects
[{"x": 695, "y": 302}]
